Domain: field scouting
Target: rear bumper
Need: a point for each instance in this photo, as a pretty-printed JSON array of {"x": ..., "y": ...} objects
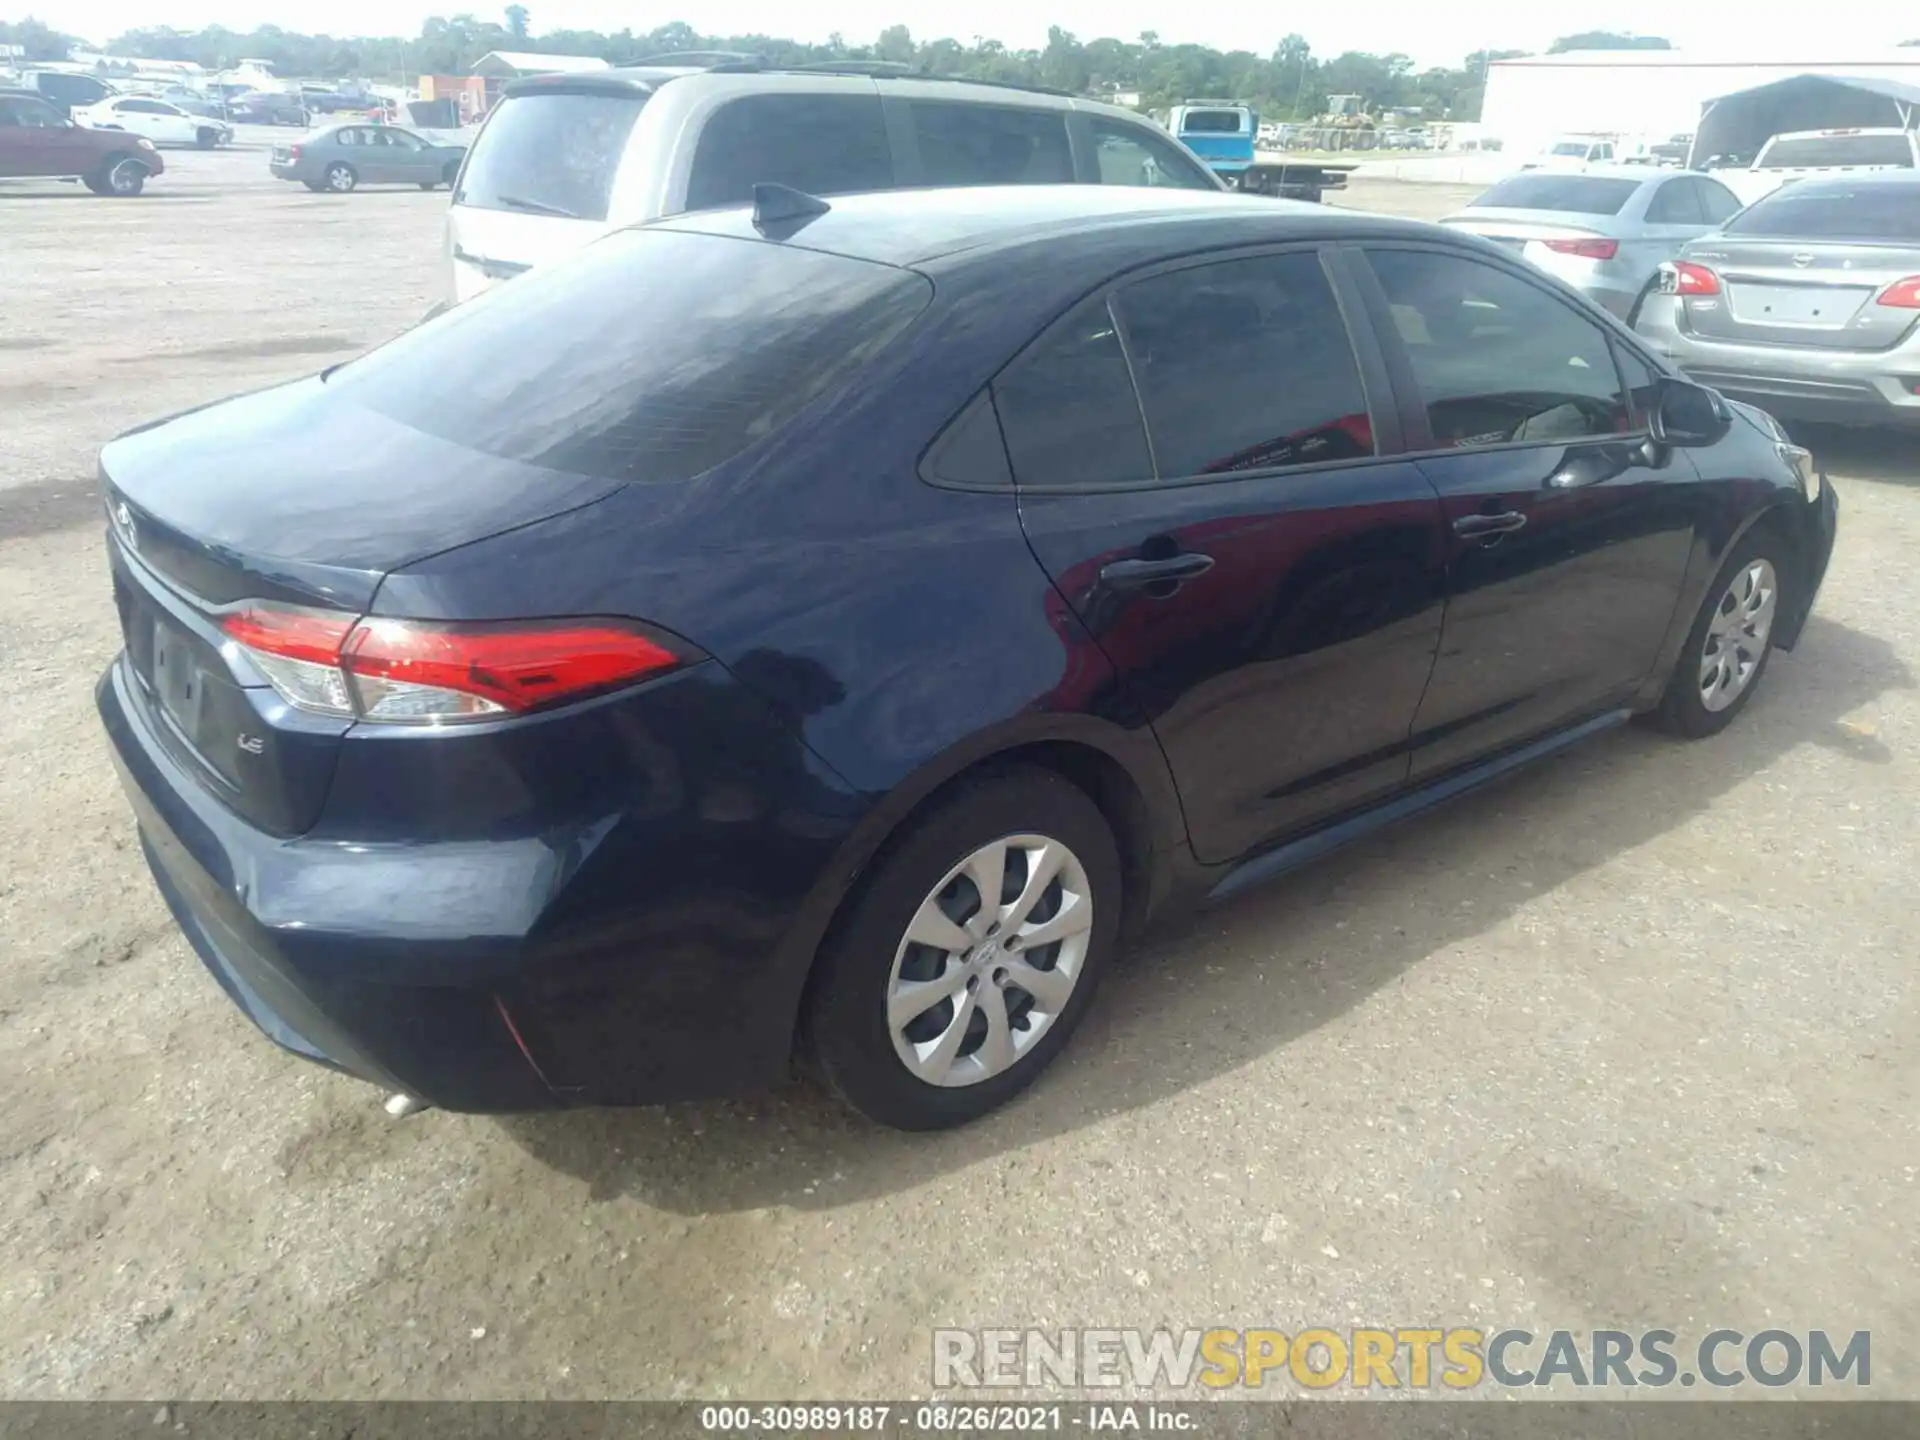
[
  {"x": 284, "y": 169},
  {"x": 487, "y": 958},
  {"x": 1838, "y": 386}
]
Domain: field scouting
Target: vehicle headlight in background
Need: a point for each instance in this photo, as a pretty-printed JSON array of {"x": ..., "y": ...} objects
[{"x": 1800, "y": 460}]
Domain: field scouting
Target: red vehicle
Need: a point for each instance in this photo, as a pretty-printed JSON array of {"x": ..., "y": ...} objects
[{"x": 38, "y": 142}]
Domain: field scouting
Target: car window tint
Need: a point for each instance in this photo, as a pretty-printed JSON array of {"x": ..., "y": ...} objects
[
  {"x": 991, "y": 145},
  {"x": 1675, "y": 204},
  {"x": 33, "y": 114},
  {"x": 821, "y": 144},
  {"x": 1133, "y": 155},
  {"x": 1068, "y": 410},
  {"x": 1882, "y": 211},
  {"x": 1574, "y": 194},
  {"x": 652, "y": 356},
  {"x": 346, "y": 137},
  {"x": 1497, "y": 359},
  {"x": 1245, "y": 365},
  {"x": 1717, "y": 202},
  {"x": 555, "y": 152},
  {"x": 970, "y": 450}
]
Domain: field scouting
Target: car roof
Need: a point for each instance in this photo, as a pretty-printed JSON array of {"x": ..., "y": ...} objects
[
  {"x": 853, "y": 74},
  {"x": 915, "y": 227}
]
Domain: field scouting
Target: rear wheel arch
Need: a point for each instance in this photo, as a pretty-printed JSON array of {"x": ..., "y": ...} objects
[{"x": 1124, "y": 801}]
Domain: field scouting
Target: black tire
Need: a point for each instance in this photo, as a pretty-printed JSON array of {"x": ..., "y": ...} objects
[
  {"x": 119, "y": 176},
  {"x": 206, "y": 139},
  {"x": 341, "y": 178},
  {"x": 846, "y": 1022},
  {"x": 1683, "y": 710},
  {"x": 315, "y": 186},
  {"x": 429, "y": 184}
]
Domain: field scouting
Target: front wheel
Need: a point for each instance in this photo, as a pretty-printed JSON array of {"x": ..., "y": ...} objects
[
  {"x": 206, "y": 138},
  {"x": 341, "y": 178},
  {"x": 121, "y": 176},
  {"x": 1731, "y": 641},
  {"x": 970, "y": 954}
]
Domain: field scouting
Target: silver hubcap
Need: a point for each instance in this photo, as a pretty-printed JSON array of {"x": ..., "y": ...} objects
[
  {"x": 340, "y": 179},
  {"x": 125, "y": 176},
  {"x": 990, "y": 960},
  {"x": 1737, "y": 635}
]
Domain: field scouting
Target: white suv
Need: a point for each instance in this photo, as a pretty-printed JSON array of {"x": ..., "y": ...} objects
[{"x": 565, "y": 158}]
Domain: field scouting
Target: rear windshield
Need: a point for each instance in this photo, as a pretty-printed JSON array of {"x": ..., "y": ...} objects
[
  {"x": 1816, "y": 150},
  {"x": 1571, "y": 194},
  {"x": 1213, "y": 122},
  {"x": 550, "y": 154},
  {"x": 1570, "y": 147},
  {"x": 653, "y": 355},
  {"x": 1867, "y": 212}
]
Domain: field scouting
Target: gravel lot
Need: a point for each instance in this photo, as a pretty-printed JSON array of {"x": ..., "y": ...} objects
[{"x": 1627, "y": 1041}]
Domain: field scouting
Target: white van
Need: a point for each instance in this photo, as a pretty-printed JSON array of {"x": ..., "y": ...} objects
[{"x": 563, "y": 159}]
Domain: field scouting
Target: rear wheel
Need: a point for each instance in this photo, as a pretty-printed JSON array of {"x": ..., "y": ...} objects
[
  {"x": 341, "y": 178},
  {"x": 970, "y": 954},
  {"x": 1731, "y": 641}
]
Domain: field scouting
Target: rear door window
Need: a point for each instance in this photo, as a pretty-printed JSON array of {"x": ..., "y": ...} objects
[
  {"x": 1573, "y": 194},
  {"x": 964, "y": 144},
  {"x": 551, "y": 153},
  {"x": 1245, "y": 365},
  {"x": 1068, "y": 409},
  {"x": 1134, "y": 155},
  {"x": 1717, "y": 202},
  {"x": 1675, "y": 204},
  {"x": 652, "y": 356},
  {"x": 820, "y": 144}
]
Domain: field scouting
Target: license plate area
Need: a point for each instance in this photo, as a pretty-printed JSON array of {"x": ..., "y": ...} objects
[{"x": 1825, "y": 307}]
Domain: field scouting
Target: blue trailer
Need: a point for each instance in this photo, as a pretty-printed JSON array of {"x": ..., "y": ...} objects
[{"x": 1225, "y": 134}]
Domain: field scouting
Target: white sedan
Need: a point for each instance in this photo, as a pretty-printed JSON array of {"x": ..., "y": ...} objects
[{"x": 158, "y": 121}]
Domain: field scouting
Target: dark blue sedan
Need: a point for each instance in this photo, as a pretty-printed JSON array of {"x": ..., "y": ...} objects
[{"x": 834, "y": 628}]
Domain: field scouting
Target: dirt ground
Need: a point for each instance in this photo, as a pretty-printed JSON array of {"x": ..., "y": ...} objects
[{"x": 1628, "y": 1041}]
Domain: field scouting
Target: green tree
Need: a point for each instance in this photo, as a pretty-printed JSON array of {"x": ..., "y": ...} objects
[
  {"x": 517, "y": 18},
  {"x": 1607, "y": 40},
  {"x": 38, "y": 39}
]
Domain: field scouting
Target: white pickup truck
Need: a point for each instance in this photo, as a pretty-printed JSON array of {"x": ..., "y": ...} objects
[{"x": 1786, "y": 158}]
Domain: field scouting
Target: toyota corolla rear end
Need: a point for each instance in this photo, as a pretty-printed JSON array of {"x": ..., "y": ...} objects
[{"x": 424, "y": 759}]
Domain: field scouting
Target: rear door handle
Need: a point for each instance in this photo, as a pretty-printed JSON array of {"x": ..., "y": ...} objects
[
  {"x": 1471, "y": 527},
  {"x": 1137, "y": 574}
]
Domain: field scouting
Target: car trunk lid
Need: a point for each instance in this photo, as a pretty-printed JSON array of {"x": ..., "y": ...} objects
[
  {"x": 300, "y": 498},
  {"x": 1819, "y": 295}
]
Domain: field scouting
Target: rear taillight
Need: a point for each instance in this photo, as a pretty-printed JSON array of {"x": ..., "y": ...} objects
[
  {"x": 1585, "y": 249},
  {"x": 428, "y": 673},
  {"x": 293, "y": 152},
  {"x": 1902, "y": 294},
  {"x": 1683, "y": 277}
]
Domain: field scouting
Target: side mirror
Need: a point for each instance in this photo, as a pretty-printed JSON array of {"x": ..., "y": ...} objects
[{"x": 1689, "y": 415}]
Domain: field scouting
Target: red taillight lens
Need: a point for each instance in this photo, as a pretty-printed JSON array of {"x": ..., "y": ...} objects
[
  {"x": 1586, "y": 249},
  {"x": 1902, "y": 294},
  {"x": 424, "y": 673},
  {"x": 293, "y": 152},
  {"x": 1691, "y": 279}
]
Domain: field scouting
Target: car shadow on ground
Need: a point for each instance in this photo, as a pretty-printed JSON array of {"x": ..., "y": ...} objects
[{"x": 1238, "y": 982}]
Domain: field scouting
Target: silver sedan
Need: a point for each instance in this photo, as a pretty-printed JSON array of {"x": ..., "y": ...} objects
[
  {"x": 346, "y": 157},
  {"x": 1606, "y": 230}
]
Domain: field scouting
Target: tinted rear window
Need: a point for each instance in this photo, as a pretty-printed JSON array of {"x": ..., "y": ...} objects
[
  {"x": 822, "y": 144},
  {"x": 1815, "y": 150},
  {"x": 991, "y": 145},
  {"x": 1866, "y": 212},
  {"x": 553, "y": 152},
  {"x": 1571, "y": 194},
  {"x": 1213, "y": 122},
  {"x": 652, "y": 356}
]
